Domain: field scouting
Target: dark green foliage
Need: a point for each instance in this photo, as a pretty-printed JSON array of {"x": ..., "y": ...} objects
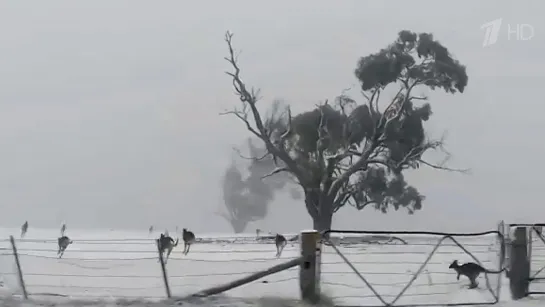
[
  {"x": 381, "y": 191},
  {"x": 412, "y": 57},
  {"x": 306, "y": 125},
  {"x": 379, "y": 185},
  {"x": 360, "y": 125}
]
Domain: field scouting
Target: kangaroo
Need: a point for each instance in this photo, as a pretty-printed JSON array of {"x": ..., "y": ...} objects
[
  {"x": 150, "y": 230},
  {"x": 471, "y": 270},
  {"x": 24, "y": 229},
  {"x": 189, "y": 238},
  {"x": 166, "y": 244},
  {"x": 63, "y": 229},
  {"x": 280, "y": 242},
  {"x": 63, "y": 241}
]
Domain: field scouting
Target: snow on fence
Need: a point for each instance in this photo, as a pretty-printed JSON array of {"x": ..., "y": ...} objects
[{"x": 359, "y": 268}]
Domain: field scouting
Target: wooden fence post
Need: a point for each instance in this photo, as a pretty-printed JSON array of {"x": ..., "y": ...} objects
[
  {"x": 163, "y": 268},
  {"x": 501, "y": 230},
  {"x": 19, "y": 270},
  {"x": 519, "y": 273},
  {"x": 309, "y": 270},
  {"x": 530, "y": 231}
]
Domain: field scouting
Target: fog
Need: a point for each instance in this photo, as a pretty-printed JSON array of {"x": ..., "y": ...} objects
[{"x": 110, "y": 109}]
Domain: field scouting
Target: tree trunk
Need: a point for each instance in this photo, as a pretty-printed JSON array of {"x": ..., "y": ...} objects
[
  {"x": 319, "y": 207},
  {"x": 323, "y": 221}
]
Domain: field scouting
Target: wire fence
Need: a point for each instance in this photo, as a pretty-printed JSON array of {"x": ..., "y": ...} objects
[
  {"x": 416, "y": 273},
  {"x": 130, "y": 268}
]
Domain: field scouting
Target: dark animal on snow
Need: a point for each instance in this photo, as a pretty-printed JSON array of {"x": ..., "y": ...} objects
[
  {"x": 63, "y": 242},
  {"x": 471, "y": 270},
  {"x": 165, "y": 244},
  {"x": 189, "y": 238}
]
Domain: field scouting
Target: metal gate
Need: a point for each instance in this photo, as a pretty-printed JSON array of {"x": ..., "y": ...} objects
[
  {"x": 536, "y": 244},
  {"x": 441, "y": 239}
]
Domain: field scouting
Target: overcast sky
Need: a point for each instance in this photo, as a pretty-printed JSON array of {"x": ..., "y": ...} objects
[{"x": 109, "y": 109}]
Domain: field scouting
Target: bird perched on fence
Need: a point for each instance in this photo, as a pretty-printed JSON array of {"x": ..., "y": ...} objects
[{"x": 189, "y": 238}]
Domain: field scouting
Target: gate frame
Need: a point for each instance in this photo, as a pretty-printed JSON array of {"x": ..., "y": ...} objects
[{"x": 444, "y": 236}]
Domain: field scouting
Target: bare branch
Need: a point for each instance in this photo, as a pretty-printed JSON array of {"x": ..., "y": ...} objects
[
  {"x": 244, "y": 118},
  {"x": 365, "y": 204},
  {"x": 288, "y": 130},
  {"x": 250, "y": 158},
  {"x": 360, "y": 164},
  {"x": 435, "y": 166},
  {"x": 419, "y": 98},
  {"x": 276, "y": 171},
  {"x": 380, "y": 162},
  {"x": 249, "y": 99},
  {"x": 416, "y": 153}
]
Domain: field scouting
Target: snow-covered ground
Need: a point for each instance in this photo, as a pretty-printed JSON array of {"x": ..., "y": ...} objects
[{"x": 100, "y": 268}]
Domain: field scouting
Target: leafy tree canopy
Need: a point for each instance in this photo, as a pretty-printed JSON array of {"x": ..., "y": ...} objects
[{"x": 345, "y": 152}]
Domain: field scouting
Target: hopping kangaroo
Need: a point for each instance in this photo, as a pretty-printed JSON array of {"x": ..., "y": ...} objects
[
  {"x": 471, "y": 270},
  {"x": 24, "y": 229},
  {"x": 166, "y": 244},
  {"x": 189, "y": 238},
  {"x": 63, "y": 241},
  {"x": 280, "y": 242}
]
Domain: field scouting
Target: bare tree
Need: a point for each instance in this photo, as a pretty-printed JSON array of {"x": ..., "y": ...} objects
[{"x": 348, "y": 153}]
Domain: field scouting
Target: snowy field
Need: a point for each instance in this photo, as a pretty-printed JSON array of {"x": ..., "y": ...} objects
[{"x": 119, "y": 266}]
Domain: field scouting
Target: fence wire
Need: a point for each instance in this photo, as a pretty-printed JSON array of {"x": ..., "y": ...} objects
[
  {"x": 109, "y": 268},
  {"x": 363, "y": 276},
  {"x": 131, "y": 270}
]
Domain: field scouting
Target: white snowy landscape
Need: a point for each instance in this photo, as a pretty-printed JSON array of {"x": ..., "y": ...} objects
[
  {"x": 384, "y": 115},
  {"x": 115, "y": 267}
]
